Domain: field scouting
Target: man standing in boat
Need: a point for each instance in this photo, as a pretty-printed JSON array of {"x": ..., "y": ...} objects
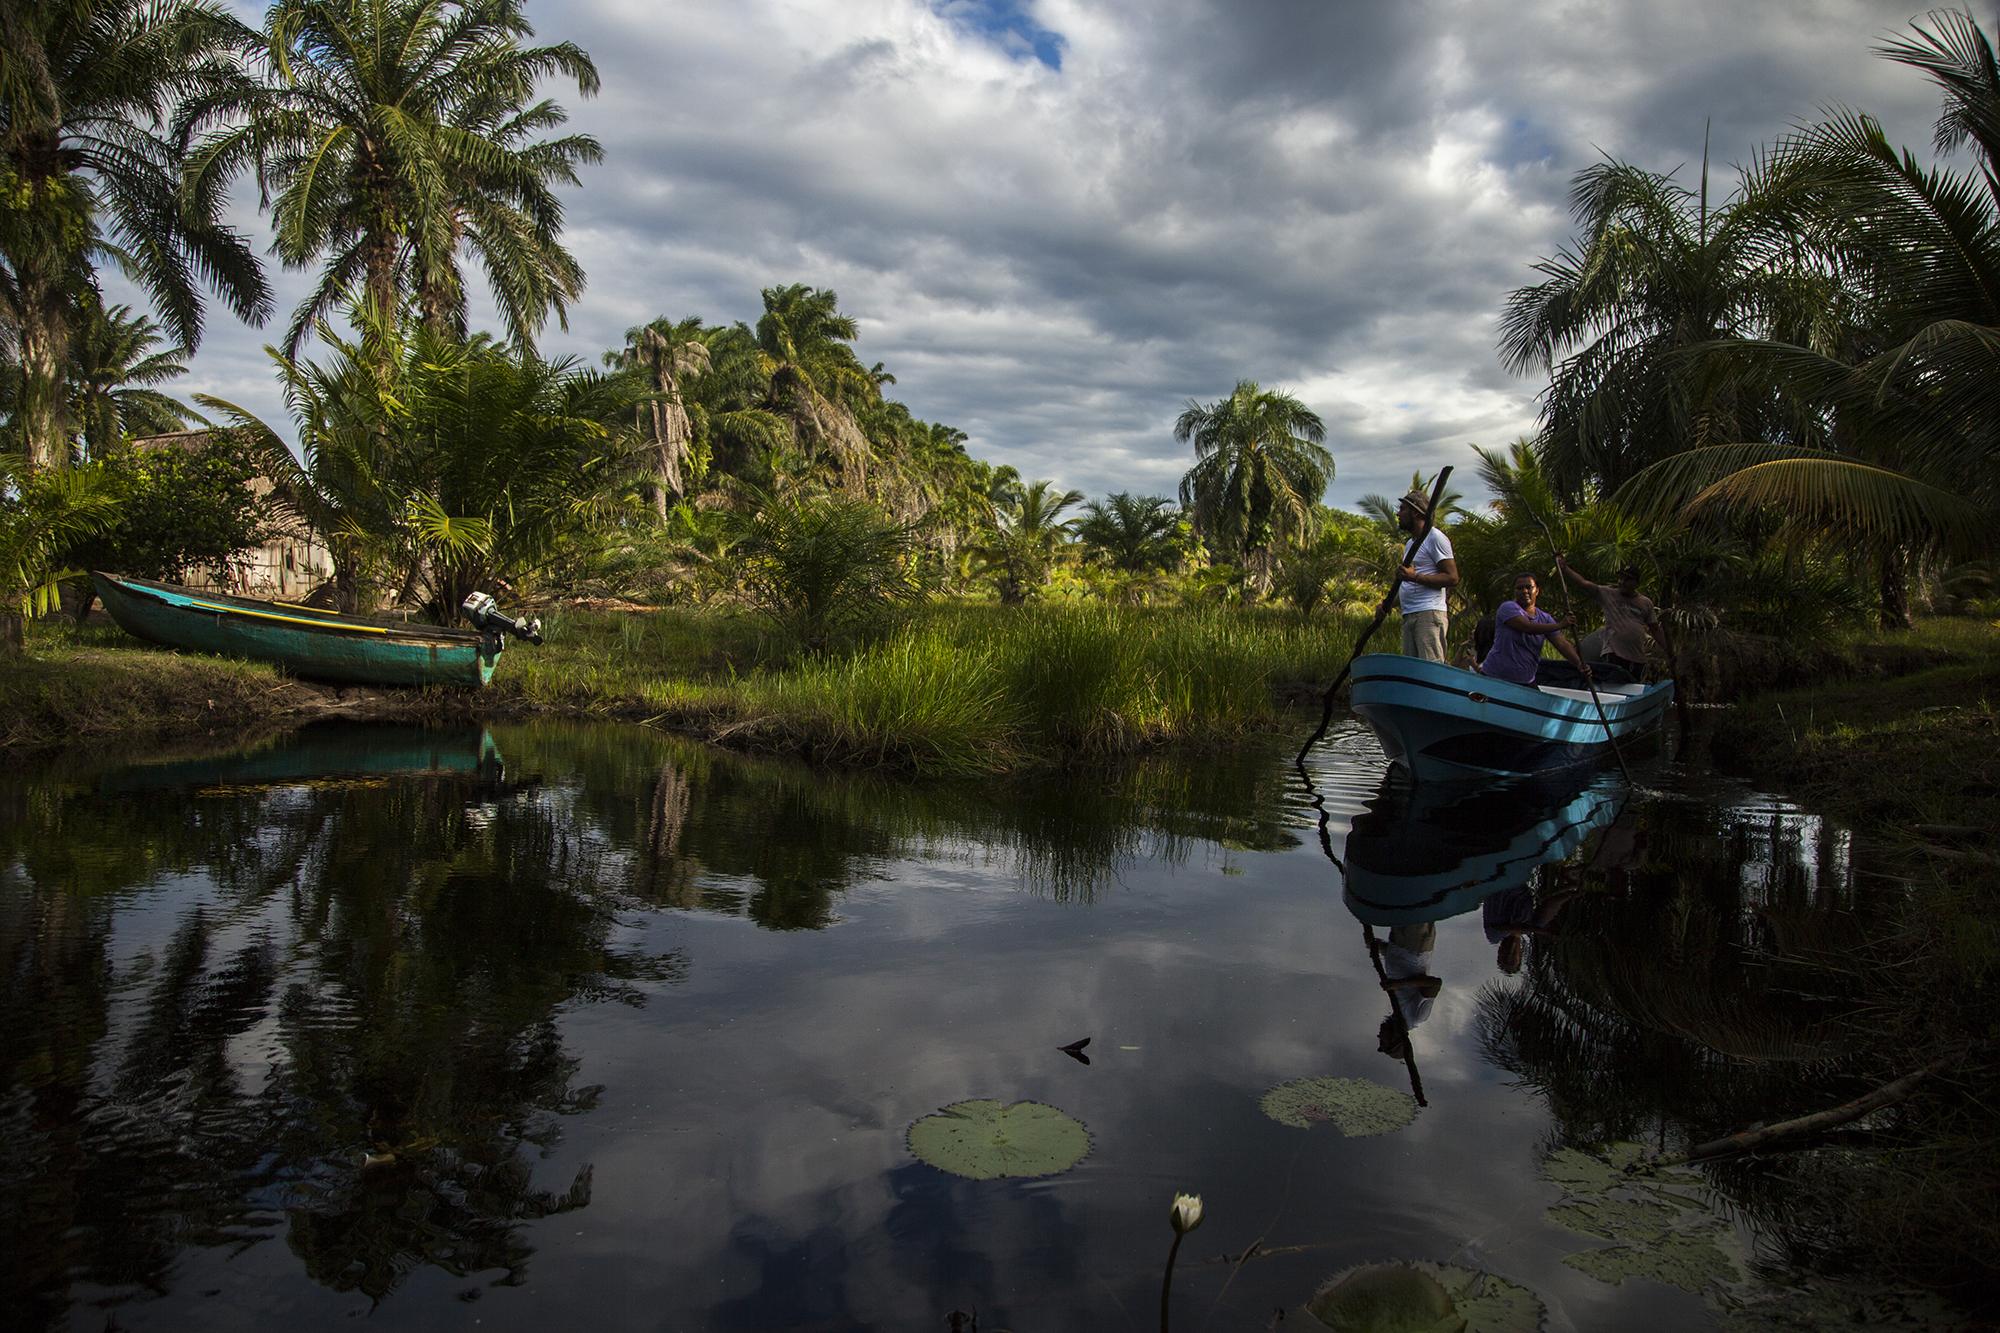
[
  {"x": 1628, "y": 616},
  {"x": 1431, "y": 572}
]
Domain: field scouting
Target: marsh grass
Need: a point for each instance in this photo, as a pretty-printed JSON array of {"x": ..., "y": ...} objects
[{"x": 955, "y": 689}]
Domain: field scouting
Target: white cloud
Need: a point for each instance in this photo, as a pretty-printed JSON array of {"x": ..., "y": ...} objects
[{"x": 1329, "y": 198}]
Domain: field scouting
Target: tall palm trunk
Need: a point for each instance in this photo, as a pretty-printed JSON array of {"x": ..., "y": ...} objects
[
  {"x": 1895, "y": 590},
  {"x": 43, "y": 340}
]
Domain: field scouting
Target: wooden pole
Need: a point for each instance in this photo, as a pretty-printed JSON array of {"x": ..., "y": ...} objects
[
  {"x": 1569, "y": 603},
  {"x": 1381, "y": 614}
]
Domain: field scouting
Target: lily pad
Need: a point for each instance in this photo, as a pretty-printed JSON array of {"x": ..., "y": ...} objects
[
  {"x": 1580, "y": 1172},
  {"x": 1616, "y": 1219},
  {"x": 1357, "y": 1107},
  {"x": 985, "y": 1140},
  {"x": 1692, "y": 1262},
  {"x": 1490, "y": 1304},
  {"x": 1386, "y": 1298}
]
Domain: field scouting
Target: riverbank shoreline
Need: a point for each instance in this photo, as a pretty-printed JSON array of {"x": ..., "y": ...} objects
[
  {"x": 1910, "y": 761},
  {"x": 957, "y": 692}
]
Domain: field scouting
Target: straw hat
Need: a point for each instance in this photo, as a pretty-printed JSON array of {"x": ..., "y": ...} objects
[{"x": 1417, "y": 500}]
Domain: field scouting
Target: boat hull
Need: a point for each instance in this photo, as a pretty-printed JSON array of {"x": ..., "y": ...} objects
[
  {"x": 1442, "y": 723},
  {"x": 320, "y": 645}
]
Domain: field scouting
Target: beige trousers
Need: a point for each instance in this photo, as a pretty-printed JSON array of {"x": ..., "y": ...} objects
[{"x": 1423, "y": 635}]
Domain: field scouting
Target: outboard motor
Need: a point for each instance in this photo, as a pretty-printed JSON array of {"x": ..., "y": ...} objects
[{"x": 487, "y": 617}]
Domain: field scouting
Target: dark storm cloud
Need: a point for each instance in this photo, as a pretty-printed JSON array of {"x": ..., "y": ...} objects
[{"x": 1332, "y": 198}]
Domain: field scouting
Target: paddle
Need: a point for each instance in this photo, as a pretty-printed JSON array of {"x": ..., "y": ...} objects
[
  {"x": 1569, "y": 604},
  {"x": 1381, "y": 614}
]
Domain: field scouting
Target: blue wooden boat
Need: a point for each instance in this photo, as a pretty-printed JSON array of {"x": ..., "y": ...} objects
[
  {"x": 1441, "y": 723},
  {"x": 1433, "y": 852},
  {"x": 307, "y": 641}
]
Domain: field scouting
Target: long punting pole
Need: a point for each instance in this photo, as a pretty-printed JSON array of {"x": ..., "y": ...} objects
[
  {"x": 1381, "y": 614},
  {"x": 1569, "y": 604}
]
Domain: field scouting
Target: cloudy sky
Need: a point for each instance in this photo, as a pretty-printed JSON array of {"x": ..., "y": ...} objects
[{"x": 1058, "y": 221}]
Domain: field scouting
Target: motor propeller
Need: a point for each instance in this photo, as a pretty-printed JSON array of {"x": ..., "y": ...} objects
[{"x": 485, "y": 614}]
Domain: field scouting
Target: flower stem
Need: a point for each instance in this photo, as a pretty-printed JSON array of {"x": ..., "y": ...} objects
[{"x": 1167, "y": 1283}]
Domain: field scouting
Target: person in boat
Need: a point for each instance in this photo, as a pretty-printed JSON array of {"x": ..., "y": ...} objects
[
  {"x": 1519, "y": 630},
  {"x": 1629, "y": 616},
  {"x": 1512, "y": 915},
  {"x": 1429, "y": 575}
]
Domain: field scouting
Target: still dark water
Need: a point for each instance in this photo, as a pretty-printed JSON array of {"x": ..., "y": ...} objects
[{"x": 522, "y": 1026}]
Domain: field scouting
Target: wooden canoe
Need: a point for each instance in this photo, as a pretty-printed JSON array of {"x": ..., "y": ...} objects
[{"x": 320, "y": 645}]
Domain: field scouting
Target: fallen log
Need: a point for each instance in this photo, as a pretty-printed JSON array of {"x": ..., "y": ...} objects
[{"x": 1758, "y": 1136}]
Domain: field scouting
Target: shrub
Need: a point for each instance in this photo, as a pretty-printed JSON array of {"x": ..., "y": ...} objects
[{"x": 826, "y": 567}]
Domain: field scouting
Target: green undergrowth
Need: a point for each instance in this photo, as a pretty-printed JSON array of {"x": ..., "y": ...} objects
[
  {"x": 1915, "y": 744},
  {"x": 954, "y": 689}
]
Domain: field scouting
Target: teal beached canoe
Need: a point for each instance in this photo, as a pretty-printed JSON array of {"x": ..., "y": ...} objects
[{"x": 321, "y": 645}]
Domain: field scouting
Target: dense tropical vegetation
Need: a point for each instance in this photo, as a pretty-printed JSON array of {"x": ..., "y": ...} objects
[{"x": 1775, "y": 403}]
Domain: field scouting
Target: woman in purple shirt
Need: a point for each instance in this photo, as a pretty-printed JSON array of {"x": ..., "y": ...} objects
[{"x": 1518, "y": 630}]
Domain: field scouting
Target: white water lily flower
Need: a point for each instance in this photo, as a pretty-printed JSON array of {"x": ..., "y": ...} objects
[{"x": 1186, "y": 1213}]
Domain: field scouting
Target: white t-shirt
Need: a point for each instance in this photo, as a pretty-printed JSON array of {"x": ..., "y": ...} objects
[{"x": 1434, "y": 550}]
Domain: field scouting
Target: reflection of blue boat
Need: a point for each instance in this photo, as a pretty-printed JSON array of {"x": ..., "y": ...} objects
[
  {"x": 1442, "y": 723},
  {"x": 342, "y": 752},
  {"x": 1430, "y": 853}
]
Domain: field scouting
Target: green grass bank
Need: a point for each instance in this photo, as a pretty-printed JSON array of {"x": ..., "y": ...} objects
[{"x": 955, "y": 690}]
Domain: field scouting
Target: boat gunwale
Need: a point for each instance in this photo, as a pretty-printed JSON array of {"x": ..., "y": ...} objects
[
  {"x": 310, "y": 619},
  {"x": 1617, "y": 708}
]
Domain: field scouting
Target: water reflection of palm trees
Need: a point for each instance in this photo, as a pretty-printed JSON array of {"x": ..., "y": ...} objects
[
  {"x": 346, "y": 1031},
  {"x": 315, "y": 988},
  {"x": 1699, "y": 989}
]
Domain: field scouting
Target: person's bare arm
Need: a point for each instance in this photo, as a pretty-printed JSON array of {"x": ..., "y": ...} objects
[
  {"x": 1446, "y": 576},
  {"x": 1568, "y": 650},
  {"x": 1523, "y": 625},
  {"x": 1562, "y": 563}
]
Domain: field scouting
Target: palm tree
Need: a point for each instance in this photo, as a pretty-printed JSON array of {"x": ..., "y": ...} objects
[
  {"x": 86, "y": 90},
  {"x": 815, "y": 378},
  {"x": 387, "y": 137},
  {"x": 1133, "y": 532},
  {"x": 1912, "y": 456},
  {"x": 42, "y": 516},
  {"x": 1259, "y": 473},
  {"x": 1028, "y": 533},
  {"x": 1381, "y": 510},
  {"x": 669, "y": 356},
  {"x": 1657, "y": 272},
  {"x": 113, "y": 370}
]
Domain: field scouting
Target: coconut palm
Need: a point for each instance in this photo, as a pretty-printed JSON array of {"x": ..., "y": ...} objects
[
  {"x": 1913, "y": 456},
  {"x": 113, "y": 369},
  {"x": 90, "y": 173},
  {"x": 1132, "y": 532},
  {"x": 1260, "y": 470},
  {"x": 1381, "y": 510},
  {"x": 668, "y": 355},
  {"x": 1656, "y": 271},
  {"x": 816, "y": 380},
  {"x": 1029, "y": 531},
  {"x": 390, "y": 136}
]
